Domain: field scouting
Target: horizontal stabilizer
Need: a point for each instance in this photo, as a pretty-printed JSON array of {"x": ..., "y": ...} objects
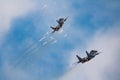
[
  {"x": 79, "y": 58},
  {"x": 52, "y": 28}
]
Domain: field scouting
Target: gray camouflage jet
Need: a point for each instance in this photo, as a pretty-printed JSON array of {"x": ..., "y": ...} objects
[
  {"x": 60, "y": 24},
  {"x": 90, "y": 56}
]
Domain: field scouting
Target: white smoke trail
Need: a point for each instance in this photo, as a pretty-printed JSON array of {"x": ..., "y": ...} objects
[{"x": 44, "y": 36}]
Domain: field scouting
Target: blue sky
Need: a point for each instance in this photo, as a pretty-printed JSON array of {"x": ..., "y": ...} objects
[{"x": 91, "y": 25}]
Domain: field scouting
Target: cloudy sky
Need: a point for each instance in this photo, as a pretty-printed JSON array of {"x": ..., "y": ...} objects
[{"x": 91, "y": 25}]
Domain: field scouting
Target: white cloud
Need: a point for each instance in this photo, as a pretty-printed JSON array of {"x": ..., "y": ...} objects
[
  {"x": 11, "y": 9},
  {"x": 15, "y": 73},
  {"x": 106, "y": 41}
]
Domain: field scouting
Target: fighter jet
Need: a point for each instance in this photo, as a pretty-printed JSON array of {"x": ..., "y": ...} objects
[
  {"x": 90, "y": 56},
  {"x": 60, "y": 24}
]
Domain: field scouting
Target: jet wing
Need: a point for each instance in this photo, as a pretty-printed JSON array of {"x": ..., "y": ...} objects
[{"x": 65, "y": 19}]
